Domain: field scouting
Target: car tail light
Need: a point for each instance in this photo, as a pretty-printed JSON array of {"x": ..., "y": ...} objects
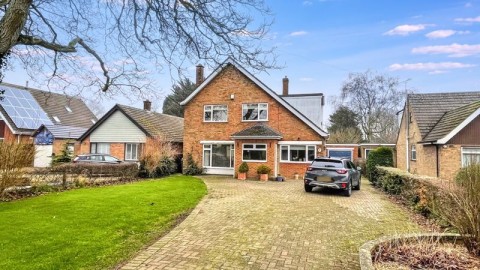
[
  {"x": 344, "y": 185},
  {"x": 342, "y": 171}
]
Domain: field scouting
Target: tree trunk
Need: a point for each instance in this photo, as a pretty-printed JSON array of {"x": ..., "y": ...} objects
[{"x": 12, "y": 23}]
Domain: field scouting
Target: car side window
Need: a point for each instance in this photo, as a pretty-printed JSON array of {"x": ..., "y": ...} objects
[
  {"x": 347, "y": 164},
  {"x": 352, "y": 166},
  {"x": 109, "y": 158}
]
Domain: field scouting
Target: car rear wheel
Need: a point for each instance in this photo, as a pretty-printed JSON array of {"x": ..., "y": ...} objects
[
  {"x": 357, "y": 187},
  {"x": 348, "y": 192},
  {"x": 308, "y": 188}
]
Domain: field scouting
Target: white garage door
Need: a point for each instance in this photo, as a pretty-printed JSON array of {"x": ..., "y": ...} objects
[{"x": 43, "y": 155}]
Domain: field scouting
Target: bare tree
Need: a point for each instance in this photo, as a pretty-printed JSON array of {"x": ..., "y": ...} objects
[
  {"x": 345, "y": 135},
  {"x": 375, "y": 98},
  {"x": 111, "y": 45}
]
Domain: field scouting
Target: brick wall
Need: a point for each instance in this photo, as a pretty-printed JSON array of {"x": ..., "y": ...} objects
[
  {"x": 450, "y": 160},
  {"x": 231, "y": 81},
  {"x": 84, "y": 147},
  {"x": 118, "y": 150}
]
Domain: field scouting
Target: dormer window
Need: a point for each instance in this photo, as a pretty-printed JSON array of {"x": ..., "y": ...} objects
[
  {"x": 56, "y": 119},
  {"x": 255, "y": 112},
  {"x": 68, "y": 109}
]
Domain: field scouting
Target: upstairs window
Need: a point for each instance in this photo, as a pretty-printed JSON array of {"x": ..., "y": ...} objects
[
  {"x": 215, "y": 113},
  {"x": 255, "y": 112}
]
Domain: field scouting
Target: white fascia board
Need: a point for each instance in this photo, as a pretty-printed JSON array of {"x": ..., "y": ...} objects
[
  {"x": 377, "y": 144},
  {"x": 217, "y": 142},
  {"x": 262, "y": 85},
  {"x": 300, "y": 142},
  {"x": 462, "y": 125},
  {"x": 341, "y": 149},
  {"x": 8, "y": 124},
  {"x": 341, "y": 144}
]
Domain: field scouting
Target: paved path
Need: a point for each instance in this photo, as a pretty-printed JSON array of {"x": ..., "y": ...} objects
[{"x": 274, "y": 225}]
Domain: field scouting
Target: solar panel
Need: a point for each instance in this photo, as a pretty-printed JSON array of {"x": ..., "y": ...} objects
[{"x": 23, "y": 109}]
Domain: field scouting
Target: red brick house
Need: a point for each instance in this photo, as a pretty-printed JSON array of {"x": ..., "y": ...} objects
[
  {"x": 439, "y": 133},
  {"x": 124, "y": 132},
  {"x": 232, "y": 117}
]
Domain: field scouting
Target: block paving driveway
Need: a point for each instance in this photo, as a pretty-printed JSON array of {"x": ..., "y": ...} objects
[{"x": 274, "y": 225}]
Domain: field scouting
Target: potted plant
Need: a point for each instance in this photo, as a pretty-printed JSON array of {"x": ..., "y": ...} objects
[
  {"x": 280, "y": 178},
  {"x": 263, "y": 171},
  {"x": 242, "y": 171}
]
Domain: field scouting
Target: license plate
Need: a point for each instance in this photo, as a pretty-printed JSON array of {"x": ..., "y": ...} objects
[{"x": 324, "y": 179}]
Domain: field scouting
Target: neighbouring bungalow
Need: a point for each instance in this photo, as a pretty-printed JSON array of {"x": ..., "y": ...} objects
[
  {"x": 439, "y": 133},
  {"x": 23, "y": 111},
  {"x": 124, "y": 132},
  {"x": 232, "y": 117}
]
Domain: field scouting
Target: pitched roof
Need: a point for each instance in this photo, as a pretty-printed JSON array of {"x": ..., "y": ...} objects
[
  {"x": 428, "y": 109},
  {"x": 52, "y": 104},
  {"x": 62, "y": 132},
  {"x": 274, "y": 95},
  {"x": 451, "y": 120},
  {"x": 151, "y": 123},
  {"x": 257, "y": 131}
]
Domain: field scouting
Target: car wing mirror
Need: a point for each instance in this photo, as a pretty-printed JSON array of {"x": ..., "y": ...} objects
[{"x": 359, "y": 168}]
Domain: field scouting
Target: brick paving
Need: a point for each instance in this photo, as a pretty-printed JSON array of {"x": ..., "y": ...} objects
[{"x": 274, "y": 225}]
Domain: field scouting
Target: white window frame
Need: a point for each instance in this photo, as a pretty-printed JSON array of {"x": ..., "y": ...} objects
[
  {"x": 413, "y": 149},
  {"x": 341, "y": 149},
  {"x": 130, "y": 156},
  {"x": 208, "y": 147},
  {"x": 367, "y": 149},
  {"x": 464, "y": 150},
  {"x": 255, "y": 148},
  {"x": 306, "y": 152},
  {"x": 96, "y": 148},
  {"x": 258, "y": 109},
  {"x": 211, "y": 111}
]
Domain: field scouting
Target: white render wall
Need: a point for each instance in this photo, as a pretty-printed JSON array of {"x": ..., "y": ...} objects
[
  {"x": 118, "y": 129},
  {"x": 310, "y": 106}
]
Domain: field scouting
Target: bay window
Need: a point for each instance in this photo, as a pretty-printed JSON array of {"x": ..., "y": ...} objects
[{"x": 254, "y": 152}]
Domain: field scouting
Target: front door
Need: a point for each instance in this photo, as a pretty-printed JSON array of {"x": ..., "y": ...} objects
[{"x": 219, "y": 158}]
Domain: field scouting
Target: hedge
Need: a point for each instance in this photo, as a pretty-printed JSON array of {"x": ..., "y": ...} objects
[
  {"x": 419, "y": 192},
  {"x": 382, "y": 156}
]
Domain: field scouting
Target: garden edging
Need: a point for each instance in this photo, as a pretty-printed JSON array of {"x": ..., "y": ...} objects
[{"x": 365, "y": 251}]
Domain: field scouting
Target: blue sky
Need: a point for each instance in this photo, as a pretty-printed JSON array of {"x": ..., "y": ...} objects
[{"x": 435, "y": 45}]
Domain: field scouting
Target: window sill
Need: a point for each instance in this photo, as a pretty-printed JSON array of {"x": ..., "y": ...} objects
[
  {"x": 215, "y": 121},
  {"x": 253, "y": 161},
  {"x": 255, "y": 120}
]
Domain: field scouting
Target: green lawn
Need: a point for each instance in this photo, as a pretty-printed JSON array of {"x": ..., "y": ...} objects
[{"x": 92, "y": 228}]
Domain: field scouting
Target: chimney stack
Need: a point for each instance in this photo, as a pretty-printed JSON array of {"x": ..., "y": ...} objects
[
  {"x": 285, "y": 86},
  {"x": 147, "y": 105},
  {"x": 199, "y": 75}
]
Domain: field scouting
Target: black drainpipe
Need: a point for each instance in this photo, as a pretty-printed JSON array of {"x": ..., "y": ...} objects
[{"x": 438, "y": 161}]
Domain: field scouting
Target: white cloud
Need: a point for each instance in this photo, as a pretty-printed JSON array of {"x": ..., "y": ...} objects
[
  {"x": 440, "y": 33},
  {"x": 307, "y": 3},
  {"x": 468, "y": 20},
  {"x": 468, "y": 5},
  {"x": 406, "y": 29},
  {"x": 445, "y": 33},
  {"x": 453, "y": 50},
  {"x": 434, "y": 68},
  {"x": 306, "y": 79},
  {"x": 435, "y": 72},
  {"x": 298, "y": 33}
]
